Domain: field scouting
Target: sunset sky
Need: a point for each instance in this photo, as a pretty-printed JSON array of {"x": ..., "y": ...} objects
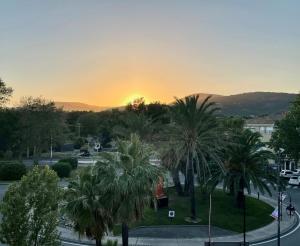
[{"x": 108, "y": 52}]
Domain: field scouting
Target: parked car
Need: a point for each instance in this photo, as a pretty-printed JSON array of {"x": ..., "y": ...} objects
[
  {"x": 294, "y": 180},
  {"x": 296, "y": 172},
  {"x": 286, "y": 174},
  {"x": 84, "y": 153}
]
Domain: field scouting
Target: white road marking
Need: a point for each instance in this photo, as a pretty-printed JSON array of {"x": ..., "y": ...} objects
[
  {"x": 283, "y": 236},
  {"x": 76, "y": 244}
]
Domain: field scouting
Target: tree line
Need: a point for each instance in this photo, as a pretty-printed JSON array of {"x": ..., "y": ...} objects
[{"x": 187, "y": 136}]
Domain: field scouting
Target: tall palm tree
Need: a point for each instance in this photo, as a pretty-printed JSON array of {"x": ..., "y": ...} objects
[
  {"x": 196, "y": 134},
  {"x": 134, "y": 182},
  {"x": 245, "y": 163},
  {"x": 87, "y": 205}
]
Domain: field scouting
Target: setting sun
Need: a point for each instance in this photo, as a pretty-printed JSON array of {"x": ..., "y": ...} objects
[{"x": 132, "y": 97}]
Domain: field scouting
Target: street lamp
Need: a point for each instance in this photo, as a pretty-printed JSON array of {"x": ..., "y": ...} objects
[{"x": 279, "y": 195}]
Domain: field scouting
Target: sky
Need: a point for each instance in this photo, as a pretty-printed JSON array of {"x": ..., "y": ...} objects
[{"x": 107, "y": 52}]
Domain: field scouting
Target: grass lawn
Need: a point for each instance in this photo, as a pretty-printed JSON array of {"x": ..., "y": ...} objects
[{"x": 224, "y": 212}]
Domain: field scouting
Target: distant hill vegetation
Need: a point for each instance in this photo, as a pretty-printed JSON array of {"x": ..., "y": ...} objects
[
  {"x": 250, "y": 104},
  {"x": 254, "y": 103},
  {"x": 77, "y": 106}
]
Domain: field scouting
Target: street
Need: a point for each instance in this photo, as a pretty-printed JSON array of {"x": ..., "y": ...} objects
[{"x": 294, "y": 238}]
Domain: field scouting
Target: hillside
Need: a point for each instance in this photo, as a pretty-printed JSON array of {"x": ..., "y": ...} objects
[
  {"x": 77, "y": 106},
  {"x": 252, "y": 104},
  {"x": 255, "y": 103},
  {"x": 246, "y": 104}
]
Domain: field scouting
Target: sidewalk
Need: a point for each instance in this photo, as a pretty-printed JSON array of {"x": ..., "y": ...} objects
[{"x": 260, "y": 234}]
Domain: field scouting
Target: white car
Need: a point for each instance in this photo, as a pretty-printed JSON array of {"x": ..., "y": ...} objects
[
  {"x": 286, "y": 174},
  {"x": 294, "y": 180},
  {"x": 297, "y": 172}
]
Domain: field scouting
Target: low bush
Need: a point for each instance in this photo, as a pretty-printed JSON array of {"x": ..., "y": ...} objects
[
  {"x": 10, "y": 171},
  {"x": 72, "y": 161},
  {"x": 111, "y": 243},
  {"x": 63, "y": 169}
]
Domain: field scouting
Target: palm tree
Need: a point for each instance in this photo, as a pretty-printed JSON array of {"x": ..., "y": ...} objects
[
  {"x": 196, "y": 134},
  {"x": 245, "y": 163},
  {"x": 88, "y": 206},
  {"x": 134, "y": 180}
]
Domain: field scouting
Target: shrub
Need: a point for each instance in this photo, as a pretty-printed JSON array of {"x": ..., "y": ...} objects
[
  {"x": 63, "y": 169},
  {"x": 72, "y": 161},
  {"x": 111, "y": 243},
  {"x": 12, "y": 170}
]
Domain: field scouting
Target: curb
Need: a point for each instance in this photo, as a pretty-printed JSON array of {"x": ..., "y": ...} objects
[
  {"x": 75, "y": 242},
  {"x": 282, "y": 233},
  {"x": 286, "y": 231}
]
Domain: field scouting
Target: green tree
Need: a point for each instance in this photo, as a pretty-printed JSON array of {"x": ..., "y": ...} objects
[
  {"x": 287, "y": 132},
  {"x": 87, "y": 205},
  {"x": 10, "y": 126},
  {"x": 245, "y": 162},
  {"x": 30, "y": 210},
  {"x": 137, "y": 106},
  {"x": 132, "y": 123},
  {"x": 42, "y": 125},
  {"x": 196, "y": 136},
  {"x": 131, "y": 178},
  {"x": 5, "y": 93},
  {"x": 89, "y": 124}
]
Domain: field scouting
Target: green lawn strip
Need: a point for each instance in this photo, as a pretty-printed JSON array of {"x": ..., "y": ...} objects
[{"x": 224, "y": 212}]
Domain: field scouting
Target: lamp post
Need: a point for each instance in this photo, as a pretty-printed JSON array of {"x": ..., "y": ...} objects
[
  {"x": 209, "y": 221},
  {"x": 279, "y": 196},
  {"x": 244, "y": 207}
]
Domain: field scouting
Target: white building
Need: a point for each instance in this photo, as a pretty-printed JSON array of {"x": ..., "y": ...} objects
[{"x": 266, "y": 127}]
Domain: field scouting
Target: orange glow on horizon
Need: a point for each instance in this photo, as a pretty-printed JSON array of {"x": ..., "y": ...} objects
[{"x": 132, "y": 97}]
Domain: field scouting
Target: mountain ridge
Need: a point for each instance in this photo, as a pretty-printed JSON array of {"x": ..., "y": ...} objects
[{"x": 243, "y": 104}]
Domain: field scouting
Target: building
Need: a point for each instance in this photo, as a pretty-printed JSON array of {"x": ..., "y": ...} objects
[{"x": 264, "y": 126}]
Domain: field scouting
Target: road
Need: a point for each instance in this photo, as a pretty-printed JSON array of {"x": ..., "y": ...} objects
[{"x": 294, "y": 238}]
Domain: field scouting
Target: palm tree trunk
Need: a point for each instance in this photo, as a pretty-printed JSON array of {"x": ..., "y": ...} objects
[
  {"x": 240, "y": 195},
  {"x": 176, "y": 181},
  {"x": 191, "y": 185},
  {"x": 124, "y": 234},
  {"x": 186, "y": 185},
  {"x": 98, "y": 242},
  {"x": 27, "y": 152}
]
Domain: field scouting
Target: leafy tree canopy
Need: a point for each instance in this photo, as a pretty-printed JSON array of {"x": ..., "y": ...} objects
[
  {"x": 5, "y": 93},
  {"x": 30, "y": 210},
  {"x": 287, "y": 132}
]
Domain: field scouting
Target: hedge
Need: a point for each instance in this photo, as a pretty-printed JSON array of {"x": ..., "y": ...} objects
[
  {"x": 63, "y": 169},
  {"x": 10, "y": 171},
  {"x": 72, "y": 161}
]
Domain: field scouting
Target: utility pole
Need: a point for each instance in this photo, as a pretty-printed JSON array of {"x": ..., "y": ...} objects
[
  {"x": 209, "y": 221},
  {"x": 244, "y": 205},
  {"x": 278, "y": 201},
  {"x": 79, "y": 125},
  {"x": 51, "y": 148}
]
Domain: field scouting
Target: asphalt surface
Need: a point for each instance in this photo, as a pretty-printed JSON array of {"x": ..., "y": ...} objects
[
  {"x": 181, "y": 232},
  {"x": 294, "y": 238}
]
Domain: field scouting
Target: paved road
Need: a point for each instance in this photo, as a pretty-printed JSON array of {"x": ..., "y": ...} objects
[{"x": 294, "y": 238}]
